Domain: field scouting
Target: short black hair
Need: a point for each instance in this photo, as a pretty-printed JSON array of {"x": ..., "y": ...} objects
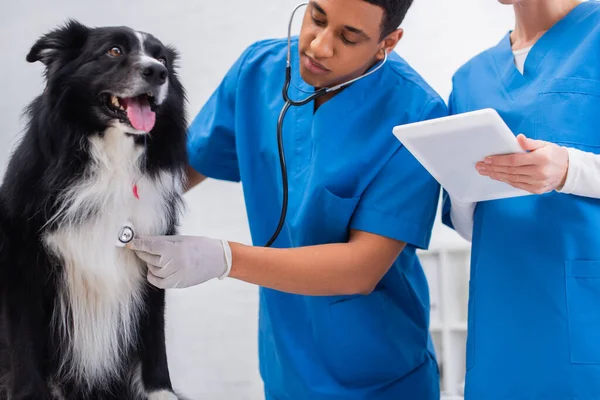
[{"x": 394, "y": 12}]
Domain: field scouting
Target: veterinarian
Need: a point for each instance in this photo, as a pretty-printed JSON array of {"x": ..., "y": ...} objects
[
  {"x": 534, "y": 319},
  {"x": 344, "y": 306}
]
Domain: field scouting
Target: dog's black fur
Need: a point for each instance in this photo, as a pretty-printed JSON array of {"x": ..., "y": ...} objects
[{"x": 82, "y": 70}]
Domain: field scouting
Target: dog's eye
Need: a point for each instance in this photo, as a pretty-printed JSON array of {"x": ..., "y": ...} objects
[
  {"x": 115, "y": 51},
  {"x": 162, "y": 60}
]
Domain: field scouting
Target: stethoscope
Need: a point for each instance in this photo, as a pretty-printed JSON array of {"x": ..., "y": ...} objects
[
  {"x": 126, "y": 233},
  {"x": 288, "y": 103}
]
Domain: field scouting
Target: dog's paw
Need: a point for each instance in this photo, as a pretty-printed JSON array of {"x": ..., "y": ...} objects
[{"x": 162, "y": 395}]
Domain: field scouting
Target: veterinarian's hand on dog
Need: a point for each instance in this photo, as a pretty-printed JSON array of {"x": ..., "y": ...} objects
[{"x": 182, "y": 261}]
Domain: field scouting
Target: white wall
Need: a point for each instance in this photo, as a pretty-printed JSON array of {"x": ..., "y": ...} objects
[{"x": 212, "y": 328}]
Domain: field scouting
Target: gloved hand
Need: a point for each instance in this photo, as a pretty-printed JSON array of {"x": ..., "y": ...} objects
[{"x": 182, "y": 261}]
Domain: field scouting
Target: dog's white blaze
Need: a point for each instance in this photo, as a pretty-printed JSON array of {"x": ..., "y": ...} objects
[
  {"x": 141, "y": 38},
  {"x": 100, "y": 297},
  {"x": 147, "y": 59}
]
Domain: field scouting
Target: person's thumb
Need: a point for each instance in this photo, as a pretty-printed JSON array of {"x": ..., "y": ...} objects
[{"x": 530, "y": 144}]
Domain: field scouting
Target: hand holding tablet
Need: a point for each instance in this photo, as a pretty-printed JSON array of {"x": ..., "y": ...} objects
[{"x": 451, "y": 147}]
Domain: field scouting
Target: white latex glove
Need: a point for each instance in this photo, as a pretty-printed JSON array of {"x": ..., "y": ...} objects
[{"x": 182, "y": 261}]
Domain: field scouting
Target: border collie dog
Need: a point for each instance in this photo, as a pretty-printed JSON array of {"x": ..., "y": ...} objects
[{"x": 104, "y": 147}]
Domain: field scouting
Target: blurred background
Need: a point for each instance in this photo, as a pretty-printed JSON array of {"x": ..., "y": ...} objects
[{"x": 212, "y": 329}]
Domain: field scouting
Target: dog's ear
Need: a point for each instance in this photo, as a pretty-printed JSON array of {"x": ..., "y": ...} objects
[
  {"x": 173, "y": 56},
  {"x": 64, "y": 42}
]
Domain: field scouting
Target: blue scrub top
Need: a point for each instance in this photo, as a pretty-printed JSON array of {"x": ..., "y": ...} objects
[
  {"x": 346, "y": 170},
  {"x": 534, "y": 306}
]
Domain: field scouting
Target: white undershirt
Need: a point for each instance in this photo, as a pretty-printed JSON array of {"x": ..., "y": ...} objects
[
  {"x": 520, "y": 56},
  {"x": 583, "y": 176}
]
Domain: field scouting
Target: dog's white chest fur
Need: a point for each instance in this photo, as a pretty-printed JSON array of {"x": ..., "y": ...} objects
[{"x": 101, "y": 290}]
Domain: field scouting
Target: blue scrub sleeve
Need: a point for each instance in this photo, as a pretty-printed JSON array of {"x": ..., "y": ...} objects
[
  {"x": 401, "y": 202},
  {"x": 211, "y": 136},
  {"x": 446, "y": 208},
  {"x": 446, "y": 202}
]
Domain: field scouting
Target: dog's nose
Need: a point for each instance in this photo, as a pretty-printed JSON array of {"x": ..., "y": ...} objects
[{"x": 155, "y": 74}]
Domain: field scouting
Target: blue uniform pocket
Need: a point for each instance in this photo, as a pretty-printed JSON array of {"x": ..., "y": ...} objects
[
  {"x": 568, "y": 113},
  {"x": 322, "y": 217},
  {"x": 583, "y": 310},
  {"x": 368, "y": 341}
]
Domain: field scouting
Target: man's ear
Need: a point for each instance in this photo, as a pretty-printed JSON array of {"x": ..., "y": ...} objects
[
  {"x": 63, "y": 42},
  {"x": 391, "y": 40}
]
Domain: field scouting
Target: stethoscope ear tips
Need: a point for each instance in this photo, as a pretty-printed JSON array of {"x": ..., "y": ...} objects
[{"x": 126, "y": 235}]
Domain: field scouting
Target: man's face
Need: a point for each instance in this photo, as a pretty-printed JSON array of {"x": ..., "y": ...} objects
[{"x": 339, "y": 40}]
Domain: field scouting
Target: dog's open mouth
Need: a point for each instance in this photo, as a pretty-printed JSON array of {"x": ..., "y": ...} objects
[{"x": 138, "y": 111}]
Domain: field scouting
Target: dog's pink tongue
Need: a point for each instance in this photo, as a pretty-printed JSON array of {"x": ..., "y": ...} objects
[{"x": 139, "y": 113}]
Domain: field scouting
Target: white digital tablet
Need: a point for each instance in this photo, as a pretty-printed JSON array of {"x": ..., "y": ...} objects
[{"x": 449, "y": 148}]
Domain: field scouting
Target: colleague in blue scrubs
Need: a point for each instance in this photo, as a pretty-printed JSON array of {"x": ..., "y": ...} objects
[
  {"x": 344, "y": 304},
  {"x": 534, "y": 304}
]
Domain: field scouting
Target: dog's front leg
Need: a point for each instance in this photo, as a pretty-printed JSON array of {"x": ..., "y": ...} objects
[
  {"x": 27, "y": 334},
  {"x": 155, "y": 370}
]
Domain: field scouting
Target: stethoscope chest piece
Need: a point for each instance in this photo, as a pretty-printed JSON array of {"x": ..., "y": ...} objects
[{"x": 126, "y": 235}]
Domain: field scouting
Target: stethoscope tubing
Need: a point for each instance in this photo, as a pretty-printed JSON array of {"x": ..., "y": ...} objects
[{"x": 288, "y": 102}]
